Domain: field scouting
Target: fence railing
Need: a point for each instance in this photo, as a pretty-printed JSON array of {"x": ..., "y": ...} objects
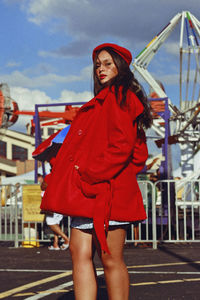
[{"x": 172, "y": 208}]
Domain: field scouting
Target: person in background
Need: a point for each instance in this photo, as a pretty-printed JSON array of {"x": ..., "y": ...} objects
[
  {"x": 40, "y": 178},
  {"x": 94, "y": 176},
  {"x": 53, "y": 220}
]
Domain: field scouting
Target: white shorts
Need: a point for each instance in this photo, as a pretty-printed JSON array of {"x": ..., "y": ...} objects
[
  {"x": 54, "y": 219},
  {"x": 86, "y": 223}
]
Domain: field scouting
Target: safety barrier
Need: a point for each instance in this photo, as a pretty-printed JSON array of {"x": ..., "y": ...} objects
[
  {"x": 178, "y": 211},
  {"x": 172, "y": 208},
  {"x": 145, "y": 231},
  {"x": 20, "y": 218}
]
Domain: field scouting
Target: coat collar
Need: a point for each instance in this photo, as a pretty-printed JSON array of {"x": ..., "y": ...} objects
[
  {"x": 103, "y": 93},
  {"x": 100, "y": 96}
]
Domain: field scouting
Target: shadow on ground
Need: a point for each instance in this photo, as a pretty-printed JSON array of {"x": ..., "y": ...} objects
[{"x": 102, "y": 292}]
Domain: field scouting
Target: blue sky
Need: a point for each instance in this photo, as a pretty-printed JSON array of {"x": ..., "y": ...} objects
[{"x": 46, "y": 45}]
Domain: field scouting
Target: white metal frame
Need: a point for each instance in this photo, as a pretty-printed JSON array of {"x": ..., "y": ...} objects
[
  {"x": 158, "y": 227},
  {"x": 189, "y": 111}
]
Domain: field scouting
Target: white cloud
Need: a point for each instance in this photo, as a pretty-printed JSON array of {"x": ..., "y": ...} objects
[
  {"x": 174, "y": 78},
  {"x": 72, "y": 96},
  {"x": 13, "y": 1},
  {"x": 170, "y": 79},
  {"x": 172, "y": 48},
  {"x": 73, "y": 49},
  {"x": 40, "y": 68},
  {"x": 18, "y": 78},
  {"x": 132, "y": 23},
  {"x": 92, "y": 21},
  {"x": 12, "y": 64},
  {"x": 27, "y": 99}
]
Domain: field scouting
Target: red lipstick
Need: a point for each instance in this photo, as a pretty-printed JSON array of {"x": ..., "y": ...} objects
[{"x": 102, "y": 76}]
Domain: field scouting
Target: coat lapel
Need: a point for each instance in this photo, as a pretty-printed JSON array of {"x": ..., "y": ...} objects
[{"x": 101, "y": 96}]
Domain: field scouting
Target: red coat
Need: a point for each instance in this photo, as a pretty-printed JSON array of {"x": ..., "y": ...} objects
[{"x": 104, "y": 143}]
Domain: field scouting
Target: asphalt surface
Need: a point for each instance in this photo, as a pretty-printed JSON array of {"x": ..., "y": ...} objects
[{"x": 170, "y": 272}]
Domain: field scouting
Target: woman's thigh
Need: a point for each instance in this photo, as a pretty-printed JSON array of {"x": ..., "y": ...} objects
[
  {"x": 81, "y": 243},
  {"x": 115, "y": 239}
]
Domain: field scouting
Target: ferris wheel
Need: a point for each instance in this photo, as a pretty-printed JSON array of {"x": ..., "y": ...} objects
[{"x": 186, "y": 118}]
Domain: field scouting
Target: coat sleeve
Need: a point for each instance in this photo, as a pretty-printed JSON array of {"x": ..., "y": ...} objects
[
  {"x": 121, "y": 138},
  {"x": 140, "y": 153}
]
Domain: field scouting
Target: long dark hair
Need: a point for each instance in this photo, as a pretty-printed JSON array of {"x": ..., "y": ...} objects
[{"x": 127, "y": 80}]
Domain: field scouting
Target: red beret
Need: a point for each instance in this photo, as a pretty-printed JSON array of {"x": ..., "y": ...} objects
[{"x": 123, "y": 52}]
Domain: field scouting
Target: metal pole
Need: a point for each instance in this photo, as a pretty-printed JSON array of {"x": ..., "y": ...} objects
[
  {"x": 16, "y": 219},
  {"x": 154, "y": 227}
]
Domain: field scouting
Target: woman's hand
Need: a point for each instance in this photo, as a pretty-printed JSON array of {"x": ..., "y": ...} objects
[{"x": 43, "y": 186}]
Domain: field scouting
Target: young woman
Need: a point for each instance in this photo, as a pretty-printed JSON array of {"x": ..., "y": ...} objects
[{"x": 94, "y": 177}]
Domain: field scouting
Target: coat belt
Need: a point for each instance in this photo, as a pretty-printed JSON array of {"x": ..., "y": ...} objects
[{"x": 101, "y": 215}]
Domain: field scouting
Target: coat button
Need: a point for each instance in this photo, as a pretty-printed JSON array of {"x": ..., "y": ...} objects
[
  {"x": 71, "y": 158},
  {"x": 80, "y": 131}
]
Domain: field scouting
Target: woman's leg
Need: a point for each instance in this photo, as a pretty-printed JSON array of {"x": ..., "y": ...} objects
[
  {"x": 136, "y": 234},
  {"x": 55, "y": 241},
  {"x": 58, "y": 231},
  {"x": 84, "y": 277},
  {"x": 115, "y": 270}
]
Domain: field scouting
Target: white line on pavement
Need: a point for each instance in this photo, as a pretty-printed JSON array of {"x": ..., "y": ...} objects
[
  {"x": 31, "y": 270},
  {"x": 160, "y": 272},
  {"x": 50, "y": 291}
]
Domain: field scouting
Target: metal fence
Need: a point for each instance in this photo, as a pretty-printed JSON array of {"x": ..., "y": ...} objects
[
  {"x": 178, "y": 211},
  {"x": 13, "y": 226},
  {"x": 172, "y": 208}
]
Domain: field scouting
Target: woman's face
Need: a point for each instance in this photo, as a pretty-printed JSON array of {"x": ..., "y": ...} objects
[{"x": 105, "y": 67}]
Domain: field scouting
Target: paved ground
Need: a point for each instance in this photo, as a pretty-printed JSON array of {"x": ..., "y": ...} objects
[{"x": 171, "y": 272}]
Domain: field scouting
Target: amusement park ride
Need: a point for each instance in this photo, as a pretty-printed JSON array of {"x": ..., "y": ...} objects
[
  {"x": 185, "y": 119},
  {"x": 7, "y": 107},
  {"x": 9, "y": 112}
]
